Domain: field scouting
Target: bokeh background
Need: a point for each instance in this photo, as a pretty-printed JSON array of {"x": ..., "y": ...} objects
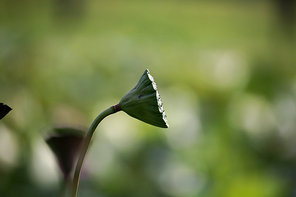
[{"x": 225, "y": 71}]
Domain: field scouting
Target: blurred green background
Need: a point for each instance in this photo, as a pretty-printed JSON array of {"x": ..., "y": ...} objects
[{"x": 225, "y": 71}]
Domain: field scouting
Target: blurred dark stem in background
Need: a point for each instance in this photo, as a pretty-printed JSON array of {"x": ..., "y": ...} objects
[
  {"x": 70, "y": 9},
  {"x": 287, "y": 14}
]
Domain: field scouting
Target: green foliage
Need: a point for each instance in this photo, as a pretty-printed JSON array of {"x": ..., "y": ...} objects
[{"x": 227, "y": 76}]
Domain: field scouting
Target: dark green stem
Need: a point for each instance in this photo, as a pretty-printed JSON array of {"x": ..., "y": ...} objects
[{"x": 86, "y": 143}]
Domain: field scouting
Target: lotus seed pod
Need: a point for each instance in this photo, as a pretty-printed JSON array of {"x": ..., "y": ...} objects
[
  {"x": 4, "y": 109},
  {"x": 65, "y": 144},
  {"x": 143, "y": 102}
]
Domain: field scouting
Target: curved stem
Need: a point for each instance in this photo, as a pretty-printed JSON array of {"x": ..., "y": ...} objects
[{"x": 86, "y": 142}]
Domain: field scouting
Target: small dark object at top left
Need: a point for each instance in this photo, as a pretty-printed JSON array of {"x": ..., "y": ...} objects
[{"x": 4, "y": 109}]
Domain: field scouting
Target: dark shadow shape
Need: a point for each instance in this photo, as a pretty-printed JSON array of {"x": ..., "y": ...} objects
[
  {"x": 4, "y": 110},
  {"x": 66, "y": 144}
]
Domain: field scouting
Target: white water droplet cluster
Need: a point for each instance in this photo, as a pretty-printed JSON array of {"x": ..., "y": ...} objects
[{"x": 159, "y": 102}]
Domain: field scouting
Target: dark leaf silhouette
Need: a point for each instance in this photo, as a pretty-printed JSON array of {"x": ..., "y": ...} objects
[
  {"x": 65, "y": 143},
  {"x": 4, "y": 109}
]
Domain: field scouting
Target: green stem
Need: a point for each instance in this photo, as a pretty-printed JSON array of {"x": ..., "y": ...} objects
[
  {"x": 86, "y": 143},
  {"x": 67, "y": 186}
]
